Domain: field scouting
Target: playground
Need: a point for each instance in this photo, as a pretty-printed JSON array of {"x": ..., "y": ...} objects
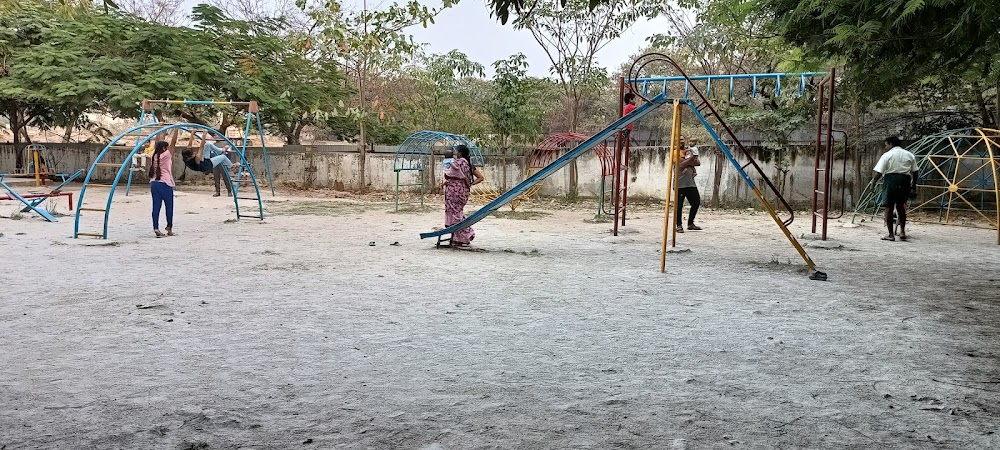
[
  {"x": 343, "y": 320},
  {"x": 552, "y": 334}
]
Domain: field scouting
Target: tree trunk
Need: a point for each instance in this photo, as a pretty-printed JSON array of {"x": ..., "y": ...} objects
[
  {"x": 362, "y": 135},
  {"x": 294, "y": 134},
  {"x": 362, "y": 157},
  {"x": 720, "y": 164},
  {"x": 14, "y": 114},
  {"x": 68, "y": 134},
  {"x": 986, "y": 118},
  {"x": 574, "y": 175}
]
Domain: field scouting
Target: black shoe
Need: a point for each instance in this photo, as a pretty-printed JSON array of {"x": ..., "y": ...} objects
[
  {"x": 215, "y": 194},
  {"x": 680, "y": 229},
  {"x": 694, "y": 227}
]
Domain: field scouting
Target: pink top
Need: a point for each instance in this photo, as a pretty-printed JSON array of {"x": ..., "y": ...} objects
[{"x": 166, "y": 169}]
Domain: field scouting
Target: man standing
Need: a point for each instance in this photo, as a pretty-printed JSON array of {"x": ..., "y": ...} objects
[
  {"x": 899, "y": 167},
  {"x": 686, "y": 189}
]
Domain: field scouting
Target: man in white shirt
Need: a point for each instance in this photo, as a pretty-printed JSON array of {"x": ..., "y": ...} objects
[{"x": 899, "y": 167}]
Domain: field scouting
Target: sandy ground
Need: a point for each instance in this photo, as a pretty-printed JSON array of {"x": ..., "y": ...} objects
[{"x": 294, "y": 332}]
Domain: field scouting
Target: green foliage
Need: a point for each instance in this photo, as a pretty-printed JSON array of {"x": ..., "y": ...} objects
[
  {"x": 896, "y": 43},
  {"x": 59, "y": 66},
  {"x": 297, "y": 84},
  {"x": 516, "y": 107},
  {"x": 440, "y": 100},
  {"x": 732, "y": 36},
  {"x": 370, "y": 45},
  {"x": 572, "y": 35}
]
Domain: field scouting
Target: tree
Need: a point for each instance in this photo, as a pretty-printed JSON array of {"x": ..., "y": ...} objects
[
  {"x": 164, "y": 12},
  {"x": 297, "y": 84},
  {"x": 437, "y": 84},
  {"x": 896, "y": 43},
  {"x": 370, "y": 44},
  {"x": 57, "y": 64},
  {"x": 572, "y": 35},
  {"x": 730, "y": 36},
  {"x": 514, "y": 109}
]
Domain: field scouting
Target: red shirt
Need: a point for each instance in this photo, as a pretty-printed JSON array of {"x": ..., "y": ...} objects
[{"x": 628, "y": 110}]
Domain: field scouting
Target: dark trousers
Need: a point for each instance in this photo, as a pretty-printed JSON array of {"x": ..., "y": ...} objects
[
  {"x": 163, "y": 195},
  {"x": 218, "y": 173},
  {"x": 693, "y": 197}
]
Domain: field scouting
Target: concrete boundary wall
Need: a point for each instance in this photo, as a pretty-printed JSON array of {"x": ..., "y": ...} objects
[{"x": 336, "y": 167}]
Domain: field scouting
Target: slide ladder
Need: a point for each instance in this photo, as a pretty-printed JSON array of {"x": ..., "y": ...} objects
[{"x": 444, "y": 235}]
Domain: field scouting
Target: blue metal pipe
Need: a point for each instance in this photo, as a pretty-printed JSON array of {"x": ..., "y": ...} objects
[
  {"x": 127, "y": 162},
  {"x": 545, "y": 172}
]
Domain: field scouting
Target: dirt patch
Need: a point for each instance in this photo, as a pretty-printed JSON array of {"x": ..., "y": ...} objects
[
  {"x": 549, "y": 333},
  {"x": 316, "y": 208},
  {"x": 520, "y": 215}
]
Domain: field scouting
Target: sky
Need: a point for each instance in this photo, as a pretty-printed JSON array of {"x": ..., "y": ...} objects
[{"x": 469, "y": 28}]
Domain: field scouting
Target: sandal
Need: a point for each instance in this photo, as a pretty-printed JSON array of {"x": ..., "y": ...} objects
[
  {"x": 159, "y": 234},
  {"x": 888, "y": 238},
  {"x": 170, "y": 232}
]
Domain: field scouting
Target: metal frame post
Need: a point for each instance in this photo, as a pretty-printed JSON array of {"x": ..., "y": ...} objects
[
  {"x": 829, "y": 152},
  {"x": 619, "y": 138}
]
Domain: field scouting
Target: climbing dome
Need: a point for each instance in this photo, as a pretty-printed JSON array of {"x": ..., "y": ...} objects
[
  {"x": 416, "y": 157},
  {"x": 958, "y": 185}
]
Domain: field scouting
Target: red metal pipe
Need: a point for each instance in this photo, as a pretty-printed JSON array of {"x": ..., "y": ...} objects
[
  {"x": 618, "y": 154},
  {"x": 819, "y": 149},
  {"x": 829, "y": 151},
  {"x": 627, "y": 151}
]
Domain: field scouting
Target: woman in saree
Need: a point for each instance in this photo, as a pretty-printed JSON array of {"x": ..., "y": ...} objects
[{"x": 459, "y": 178}]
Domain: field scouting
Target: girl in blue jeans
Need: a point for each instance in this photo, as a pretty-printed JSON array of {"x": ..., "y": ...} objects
[{"x": 161, "y": 185}]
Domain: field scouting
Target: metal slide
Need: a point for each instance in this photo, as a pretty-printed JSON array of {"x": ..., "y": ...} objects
[{"x": 541, "y": 175}]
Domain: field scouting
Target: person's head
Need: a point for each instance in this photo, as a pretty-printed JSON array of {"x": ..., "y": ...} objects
[
  {"x": 462, "y": 151},
  {"x": 630, "y": 98},
  {"x": 161, "y": 146},
  {"x": 187, "y": 154},
  {"x": 892, "y": 141}
]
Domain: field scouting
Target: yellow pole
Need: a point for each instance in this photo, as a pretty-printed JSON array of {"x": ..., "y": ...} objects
[
  {"x": 676, "y": 144},
  {"x": 38, "y": 167},
  {"x": 671, "y": 185},
  {"x": 784, "y": 229},
  {"x": 996, "y": 182}
]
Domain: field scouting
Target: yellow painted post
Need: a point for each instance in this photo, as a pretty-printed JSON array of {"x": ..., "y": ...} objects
[
  {"x": 38, "y": 167},
  {"x": 671, "y": 184},
  {"x": 784, "y": 229},
  {"x": 676, "y": 144},
  {"x": 996, "y": 182}
]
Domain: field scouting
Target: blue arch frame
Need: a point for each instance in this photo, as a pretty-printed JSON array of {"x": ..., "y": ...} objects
[
  {"x": 126, "y": 163},
  {"x": 413, "y": 153}
]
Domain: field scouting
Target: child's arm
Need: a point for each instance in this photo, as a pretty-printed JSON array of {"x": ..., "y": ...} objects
[
  {"x": 478, "y": 177},
  {"x": 200, "y": 154},
  {"x": 173, "y": 141}
]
